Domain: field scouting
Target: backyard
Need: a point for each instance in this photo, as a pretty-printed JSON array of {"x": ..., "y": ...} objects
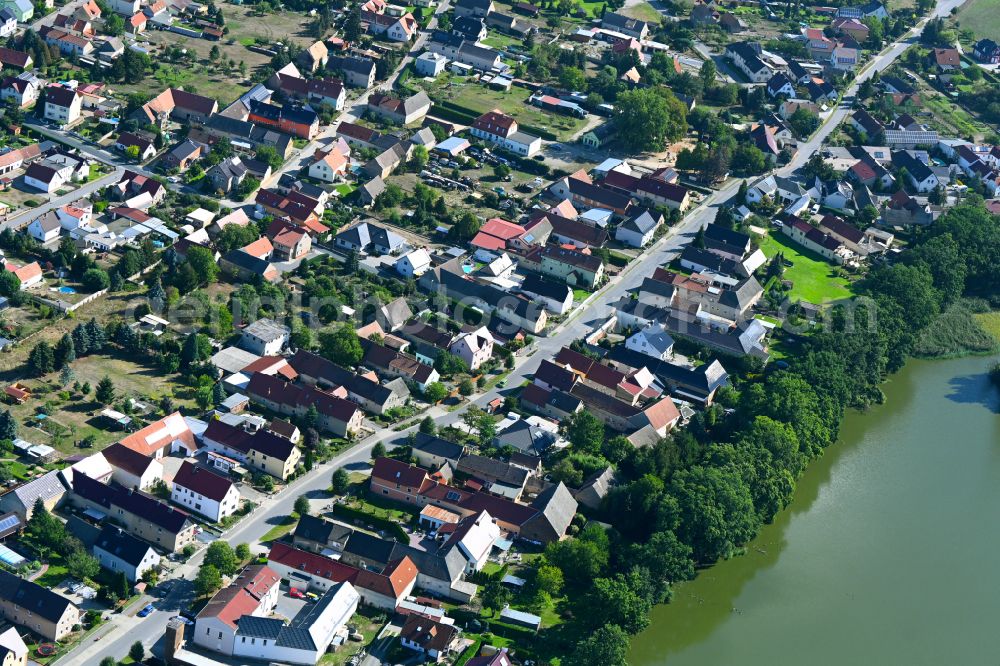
[
  {"x": 814, "y": 279},
  {"x": 479, "y": 99}
]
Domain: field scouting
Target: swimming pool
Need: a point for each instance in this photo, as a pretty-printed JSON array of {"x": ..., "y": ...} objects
[
  {"x": 67, "y": 290},
  {"x": 466, "y": 268}
]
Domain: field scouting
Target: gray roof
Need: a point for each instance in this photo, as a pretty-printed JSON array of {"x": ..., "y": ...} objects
[
  {"x": 742, "y": 295},
  {"x": 115, "y": 541},
  {"x": 266, "y": 329},
  {"x": 490, "y": 469},
  {"x": 395, "y": 313},
  {"x": 596, "y": 487},
  {"x": 45, "y": 487},
  {"x": 366, "y": 234},
  {"x": 525, "y": 437},
  {"x": 315, "y": 528},
  {"x": 373, "y": 187},
  {"x": 557, "y": 506},
  {"x": 435, "y": 446},
  {"x": 259, "y": 627},
  {"x": 32, "y": 597}
]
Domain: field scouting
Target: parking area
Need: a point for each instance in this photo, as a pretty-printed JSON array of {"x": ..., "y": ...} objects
[{"x": 289, "y": 606}]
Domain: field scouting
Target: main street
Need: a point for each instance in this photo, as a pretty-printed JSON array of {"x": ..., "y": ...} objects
[{"x": 124, "y": 629}]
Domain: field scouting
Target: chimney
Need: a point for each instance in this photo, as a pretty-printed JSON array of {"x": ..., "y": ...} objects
[{"x": 173, "y": 641}]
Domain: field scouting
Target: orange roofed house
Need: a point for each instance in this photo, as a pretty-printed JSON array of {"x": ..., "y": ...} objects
[{"x": 171, "y": 433}]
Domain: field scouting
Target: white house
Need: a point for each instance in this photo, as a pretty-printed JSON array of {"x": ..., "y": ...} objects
[
  {"x": 75, "y": 215},
  {"x": 265, "y": 337},
  {"x": 414, "y": 264},
  {"x": 501, "y": 129},
  {"x": 202, "y": 491},
  {"x": 653, "y": 341},
  {"x": 131, "y": 468},
  {"x": 475, "y": 537},
  {"x": 62, "y": 105},
  {"x": 253, "y": 594},
  {"x": 45, "y": 228},
  {"x": 44, "y": 178},
  {"x": 638, "y": 230},
  {"x": 430, "y": 64},
  {"x": 125, "y": 7},
  {"x": 8, "y": 22},
  {"x": 117, "y": 550},
  {"x": 304, "y": 640},
  {"x": 474, "y": 347}
]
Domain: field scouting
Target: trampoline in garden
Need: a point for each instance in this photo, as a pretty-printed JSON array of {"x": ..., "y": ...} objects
[{"x": 46, "y": 649}]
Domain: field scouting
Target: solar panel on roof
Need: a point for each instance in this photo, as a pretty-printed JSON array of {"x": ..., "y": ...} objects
[{"x": 8, "y": 523}]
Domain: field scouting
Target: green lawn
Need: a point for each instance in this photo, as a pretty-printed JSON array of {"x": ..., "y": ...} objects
[
  {"x": 981, "y": 17},
  {"x": 990, "y": 321},
  {"x": 644, "y": 12},
  {"x": 498, "y": 41},
  {"x": 480, "y": 99},
  {"x": 281, "y": 529},
  {"x": 812, "y": 277}
]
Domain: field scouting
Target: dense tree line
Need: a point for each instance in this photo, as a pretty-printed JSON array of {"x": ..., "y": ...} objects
[{"x": 703, "y": 492}]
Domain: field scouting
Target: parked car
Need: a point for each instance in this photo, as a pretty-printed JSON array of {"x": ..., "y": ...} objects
[
  {"x": 146, "y": 610},
  {"x": 296, "y": 593}
]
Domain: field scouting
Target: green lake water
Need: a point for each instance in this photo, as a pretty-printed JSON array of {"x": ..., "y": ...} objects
[{"x": 888, "y": 553}]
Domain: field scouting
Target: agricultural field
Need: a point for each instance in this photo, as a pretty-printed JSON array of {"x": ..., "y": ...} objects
[
  {"x": 644, "y": 12},
  {"x": 813, "y": 278},
  {"x": 981, "y": 17}
]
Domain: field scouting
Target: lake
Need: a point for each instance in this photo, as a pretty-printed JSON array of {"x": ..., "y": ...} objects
[{"x": 887, "y": 554}]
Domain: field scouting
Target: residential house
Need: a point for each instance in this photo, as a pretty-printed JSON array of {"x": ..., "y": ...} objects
[
  {"x": 369, "y": 238},
  {"x": 330, "y": 167},
  {"x": 393, "y": 315},
  {"x": 337, "y": 415},
  {"x": 572, "y": 267},
  {"x": 21, "y": 499},
  {"x": 144, "y": 146},
  {"x": 430, "y": 64},
  {"x": 62, "y": 105},
  {"x": 401, "y": 111},
  {"x": 863, "y": 121},
  {"x": 501, "y": 129},
  {"x": 178, "y": 104},
  {"x": 45, "y": 228},
  {"x": 478, "y": 8},
  {"x": 746, "y": 57},
  {"x": 29, "y": 275},
  {"x": 844, "y": 58},
  {"x": 434, "y": 452},
  {"x": 291, "y": 243},
  {"x": 13, "y": 58},
  {"x": 13, "y": 651},
  {"x": 780, "y": 85},
  {"x": 625, "y": 25},
  {"x": 131, "y": 468},
  {"x": 170, "y": 434},
  {"x": 986, "y": 51},
  {"x": 204, "y": 492},
  {"x": 391, "y": 363},
  {"x": 264, "y": 337},
  {"x": 23, "y": 89},
  {"x": 380, "y": 587},
  {"x": 555, "y": 297},
  {"x": 813, "y": 239},
  {"x": 319, "y": 535},
  {"x": 140, "y": 514},
  {"x": 253, "y": 593},
  {"x": 474, "y": 347},
  {"x": 183, "y": 155},
  {"x": 297, "y": 121},
  {"x": 314, "y": 370},
  {"x": 386, "y": 162},
  {"x": 947, "y": 60},
  {"x": 36, "y": 608},
  {"x": 119, "y": 551},
  {"x": 8, "y": 21},
  {"x": 314, "y": 57},
  {"x": 652, "y": 341},
  {"x": 396, "y": 28},
  {"x": 469, "y": 27},
  {"x": 432, "y": 639},
  {"x": 357, "y": 72},
  {"x": 413, "y": 264},
  {"x": 919, "y": 175}
]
